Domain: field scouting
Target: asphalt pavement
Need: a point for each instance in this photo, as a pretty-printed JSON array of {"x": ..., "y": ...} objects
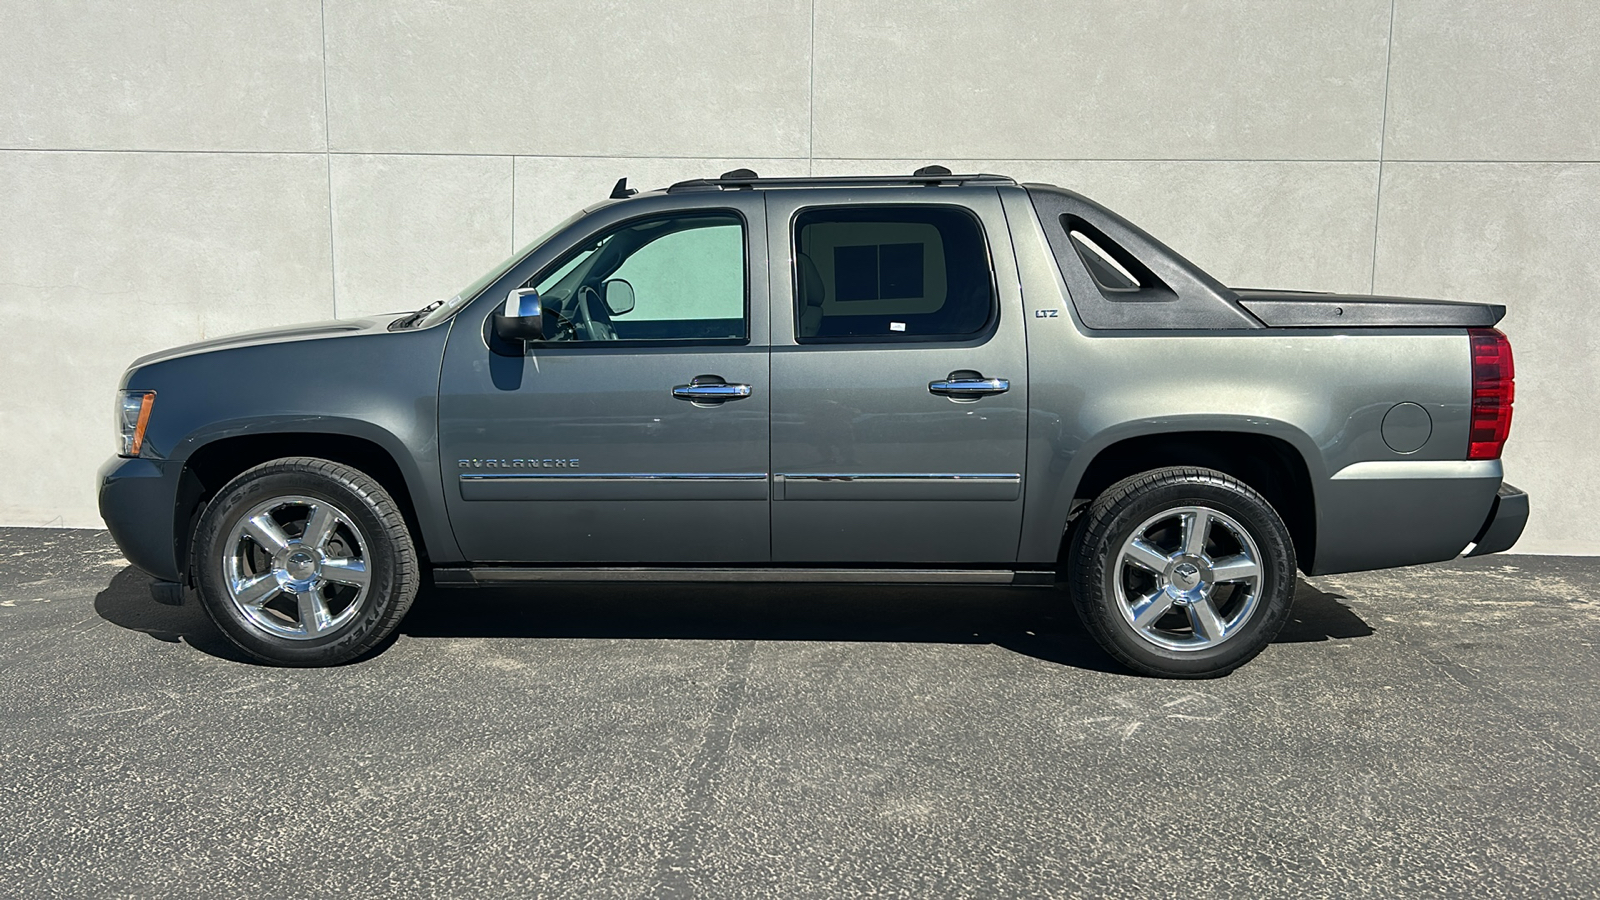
[{"x": 1428, "y": 731}]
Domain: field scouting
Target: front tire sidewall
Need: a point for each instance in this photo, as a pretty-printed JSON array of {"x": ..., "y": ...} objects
[
  {"x": 347, "y": 642},
  {"x": 1097, "y": 564}
]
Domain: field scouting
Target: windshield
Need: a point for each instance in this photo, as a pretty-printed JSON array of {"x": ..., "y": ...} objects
[{"x": 448, "y": 308}]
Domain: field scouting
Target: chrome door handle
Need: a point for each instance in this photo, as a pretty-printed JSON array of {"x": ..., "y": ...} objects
[
  {"x": 710, "y": 389},
  {"x": 969, "y": 387}
]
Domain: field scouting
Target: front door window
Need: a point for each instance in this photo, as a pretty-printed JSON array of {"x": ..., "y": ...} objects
[{"x": 668, "y": 278}]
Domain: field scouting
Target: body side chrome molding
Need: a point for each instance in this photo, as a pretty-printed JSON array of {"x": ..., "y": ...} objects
[
  {"x": 1002, "y": 486},
  {"x": 592, "y": 486},
  {"x": 613, "y": 476},
  {"x": 1377, "y": 470},
  {"x": 915, "y": 476},
  {"x": 955, "y": 486}
]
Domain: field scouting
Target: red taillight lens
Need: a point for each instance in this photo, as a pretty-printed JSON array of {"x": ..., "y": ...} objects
[{"x": 1493, "y": 389}]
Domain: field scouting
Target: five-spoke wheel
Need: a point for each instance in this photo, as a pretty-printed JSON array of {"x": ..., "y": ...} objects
[
  {"x": 304, "y": 562},
  {"x": 1182, "y": 572},
  {"x": 298, "y": 567},
  {"x": 1188, "y": 578}
]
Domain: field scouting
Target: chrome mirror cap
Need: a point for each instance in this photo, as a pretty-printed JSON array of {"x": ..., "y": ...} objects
[{"x": 522, "y": 317}]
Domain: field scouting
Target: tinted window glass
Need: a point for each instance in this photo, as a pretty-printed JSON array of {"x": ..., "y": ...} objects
[
  {"x": 668, "y": 278},
  {"x": 890, "y": 273}
]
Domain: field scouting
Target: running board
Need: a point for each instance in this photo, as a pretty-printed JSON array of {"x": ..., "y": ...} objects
[{"x": 494, "y": 575}]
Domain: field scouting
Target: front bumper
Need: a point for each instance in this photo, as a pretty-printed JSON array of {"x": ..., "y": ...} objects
[
  {"x": 1507, "y": 517},
  {"x": 138, "y": 499}
]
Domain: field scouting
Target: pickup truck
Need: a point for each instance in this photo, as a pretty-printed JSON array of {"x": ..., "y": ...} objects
[{"x": 934, "y": 379}]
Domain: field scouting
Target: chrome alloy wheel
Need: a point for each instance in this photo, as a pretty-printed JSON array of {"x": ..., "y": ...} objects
[
  {"x": 296, "y": 567},
  {"x": 1188, "y": 578}
]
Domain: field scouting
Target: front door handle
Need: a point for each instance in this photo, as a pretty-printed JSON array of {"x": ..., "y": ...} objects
[
  {"x": 969, "y": 385},
  {"x": 710, "y": 389}
]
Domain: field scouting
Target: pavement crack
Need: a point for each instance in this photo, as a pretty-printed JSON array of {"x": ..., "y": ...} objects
[{"x": 678, "y": 869}]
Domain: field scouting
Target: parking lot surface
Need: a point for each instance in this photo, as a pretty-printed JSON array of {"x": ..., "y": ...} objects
[{"x": 1433, "y": 730}]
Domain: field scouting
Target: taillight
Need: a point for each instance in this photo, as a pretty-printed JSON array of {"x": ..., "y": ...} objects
[{"x": 1493, "y": 389}]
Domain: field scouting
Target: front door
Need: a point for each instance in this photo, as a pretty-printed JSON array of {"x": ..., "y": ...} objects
[
  {"x": 899, "y": 379},
  {"x": 636, "y": 431}
]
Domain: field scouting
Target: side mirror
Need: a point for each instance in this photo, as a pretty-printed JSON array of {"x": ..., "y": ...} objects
[
  {"x": 618, "y": 295},
  {"x": 522, "y": 318}
]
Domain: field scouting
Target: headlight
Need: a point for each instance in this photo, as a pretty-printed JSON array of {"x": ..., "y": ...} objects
[{"x": 133, "y": 414}]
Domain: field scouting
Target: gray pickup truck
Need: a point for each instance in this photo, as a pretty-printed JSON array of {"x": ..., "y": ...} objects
[{"x": 940, "y": 379}]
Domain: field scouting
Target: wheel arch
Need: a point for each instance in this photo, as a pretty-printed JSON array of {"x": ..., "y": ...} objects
[
  {"x": 1271, "y": 464},
  {"x": 214, "y": 461}
]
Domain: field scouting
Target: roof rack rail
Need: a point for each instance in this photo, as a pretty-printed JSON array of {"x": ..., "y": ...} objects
[{"x": 743, "y": 183}]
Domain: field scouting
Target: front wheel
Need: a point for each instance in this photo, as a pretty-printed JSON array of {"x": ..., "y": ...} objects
[
  {"x": 305, "y": 562},
  {"x": 1182, "y": 572}
]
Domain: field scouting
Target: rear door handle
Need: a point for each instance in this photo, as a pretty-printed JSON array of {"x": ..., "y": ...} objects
[
  {"x": 968, "y": 386},
  {"x": 710, "y": 389}
]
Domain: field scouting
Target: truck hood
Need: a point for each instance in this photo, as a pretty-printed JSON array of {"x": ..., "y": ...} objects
[{"x": 281, "y": 335}]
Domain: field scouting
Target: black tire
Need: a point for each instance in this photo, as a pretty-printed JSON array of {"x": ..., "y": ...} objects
[
  {"x": 371, "y": 534},
  {"x": 1261, "y": 606}
]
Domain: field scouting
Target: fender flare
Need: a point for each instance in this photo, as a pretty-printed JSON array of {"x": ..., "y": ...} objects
[
  {"x": 424, "y": 489},
  {"x": 1041, "y": 539}
]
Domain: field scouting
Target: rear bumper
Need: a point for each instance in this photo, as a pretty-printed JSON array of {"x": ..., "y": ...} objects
[
  {"x": 1507, "y": 518},
  {"x": 138, "y": 501},
  {"x": 1379, "y": 515}
]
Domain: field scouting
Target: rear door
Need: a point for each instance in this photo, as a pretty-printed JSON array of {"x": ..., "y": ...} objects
[
  {"x": 899, "y": 377},
  {"x": 637, "y": 431}
]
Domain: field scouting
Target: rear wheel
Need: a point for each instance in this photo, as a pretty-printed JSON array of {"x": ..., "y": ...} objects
[
  {"x": 305, "y": 562},
  {"x": 1182, "y": 572}
]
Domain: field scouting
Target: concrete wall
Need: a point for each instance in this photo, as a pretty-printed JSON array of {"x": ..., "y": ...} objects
[{"x": 176, "y": 169}]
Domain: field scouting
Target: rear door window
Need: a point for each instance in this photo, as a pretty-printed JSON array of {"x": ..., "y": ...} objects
[{"x": 891, "y": 274}]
